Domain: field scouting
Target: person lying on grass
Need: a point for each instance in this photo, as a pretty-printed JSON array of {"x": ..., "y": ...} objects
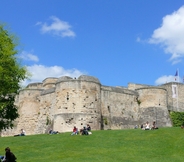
[
  {"x": 22, "y": 133},
  {"x": 53, "y": 132}
]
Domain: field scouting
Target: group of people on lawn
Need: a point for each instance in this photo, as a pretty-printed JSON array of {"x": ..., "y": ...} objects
[
  {"x": 83, "y": 131},
  {"x": 148, "y": 127}
]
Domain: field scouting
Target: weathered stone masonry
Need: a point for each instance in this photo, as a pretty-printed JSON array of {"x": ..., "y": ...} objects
[{"x": 61, "y": 103}]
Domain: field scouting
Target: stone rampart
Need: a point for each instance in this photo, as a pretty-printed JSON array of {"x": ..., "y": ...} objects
[
  {"x": 61, "y": 103},
  {"x": 153, "y": 105}
]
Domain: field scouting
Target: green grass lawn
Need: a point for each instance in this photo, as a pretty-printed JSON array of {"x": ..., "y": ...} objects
[{"x": 131, "y": 145}]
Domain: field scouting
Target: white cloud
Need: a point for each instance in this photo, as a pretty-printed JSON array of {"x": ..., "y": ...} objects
[
  {"x": 138, "y": 39},
  {"x": 28, "y": 56},
  {"x": 170, "y": 35},
  {"x": 166, "y": 79},
  {"x": 40, "y": 72},
  {"x": 57, "y": 27}
]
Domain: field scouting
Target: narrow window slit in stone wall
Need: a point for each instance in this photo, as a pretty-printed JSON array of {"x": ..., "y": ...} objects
[
  {"x": 67, "y": 97},
  {"x": 108, "y": 107}
]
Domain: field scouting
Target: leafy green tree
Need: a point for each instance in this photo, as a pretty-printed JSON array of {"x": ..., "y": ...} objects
[{"x": 11, "y": 73}]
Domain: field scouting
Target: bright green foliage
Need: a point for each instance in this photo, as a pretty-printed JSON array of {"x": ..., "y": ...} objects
[
  {"x": 11, "y": 73},
  {"x": 177, "y": 118}
]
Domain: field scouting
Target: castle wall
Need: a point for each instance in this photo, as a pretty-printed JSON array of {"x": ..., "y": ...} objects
[
  {"x": 46, "y": 111},
  {"x": 153, "y": 106},
  {"x": 28, "y": 103},
  {"x": 134, "y": 86},
  {"x": 77, "y": 104},
  {"x": 119, "y": 108},
  {"x": 175, "y": 103},
  {"x": 62, "y": 103},
  {"x": 49, "y": 83}
]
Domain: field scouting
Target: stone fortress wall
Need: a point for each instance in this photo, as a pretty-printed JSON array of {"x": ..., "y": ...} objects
[{"x": 61, "y": 103}]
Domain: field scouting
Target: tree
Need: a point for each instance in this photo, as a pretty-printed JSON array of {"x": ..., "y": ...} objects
[{"x": 11, "y": 73}]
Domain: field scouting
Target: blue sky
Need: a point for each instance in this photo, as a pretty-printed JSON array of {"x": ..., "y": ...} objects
[{"x": 117, "y": 41}]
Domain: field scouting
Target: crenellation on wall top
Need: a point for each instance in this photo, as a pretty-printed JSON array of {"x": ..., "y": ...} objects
[
  {"x": 89, "y": 79},
  {"x": 49, "y": 82},
  {"x": 151, "y": 87},
  {"x": 79, "y": 79},
  {"x": 133, "y": 86},
  {"x": 64, "y": 78},
  {"x": 119, "y": 90},
  {"x": 37, "y": 85}
]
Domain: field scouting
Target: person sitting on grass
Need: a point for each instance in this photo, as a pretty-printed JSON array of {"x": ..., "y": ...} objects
[
  {"x": 83, "y": 131},
  {"x": 22, "y": 133},
  {"x": 88, "y": 127},
  {"x": 10, "y": 157},
  {"x": 147, "y": 126},
  {"x": 142, "y": 126},
  {"x": 154, "y": 126},
  {"x": 75, "y": 131}
]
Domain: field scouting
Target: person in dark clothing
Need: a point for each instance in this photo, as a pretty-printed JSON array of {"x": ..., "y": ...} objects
[
  {"x": 10, "y": 157},
  {"x": 84, "y": 131},
  {"x": 154, "y": 126},
  {"x": 88, "y": 127}
]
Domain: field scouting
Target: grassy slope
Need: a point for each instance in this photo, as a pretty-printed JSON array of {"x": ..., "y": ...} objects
[{"x": 163, "y": 145}]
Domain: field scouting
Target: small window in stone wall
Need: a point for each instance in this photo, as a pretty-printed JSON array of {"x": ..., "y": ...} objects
[
  {"x": 67, "y": 97},
  {"x": 108, "y": 107}
]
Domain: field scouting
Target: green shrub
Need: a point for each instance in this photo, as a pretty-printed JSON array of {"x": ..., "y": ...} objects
[
  {"x": 177, "y": 118},
  {"x": 105, "y": 121}
]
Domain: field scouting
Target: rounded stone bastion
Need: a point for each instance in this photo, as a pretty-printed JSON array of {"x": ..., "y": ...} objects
[
  {"x": 152, "y": 97},
  {"x": 34, "y": 86},
  {"x": 49, "y": 83},
  {"x": 77, "y": 103}
]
